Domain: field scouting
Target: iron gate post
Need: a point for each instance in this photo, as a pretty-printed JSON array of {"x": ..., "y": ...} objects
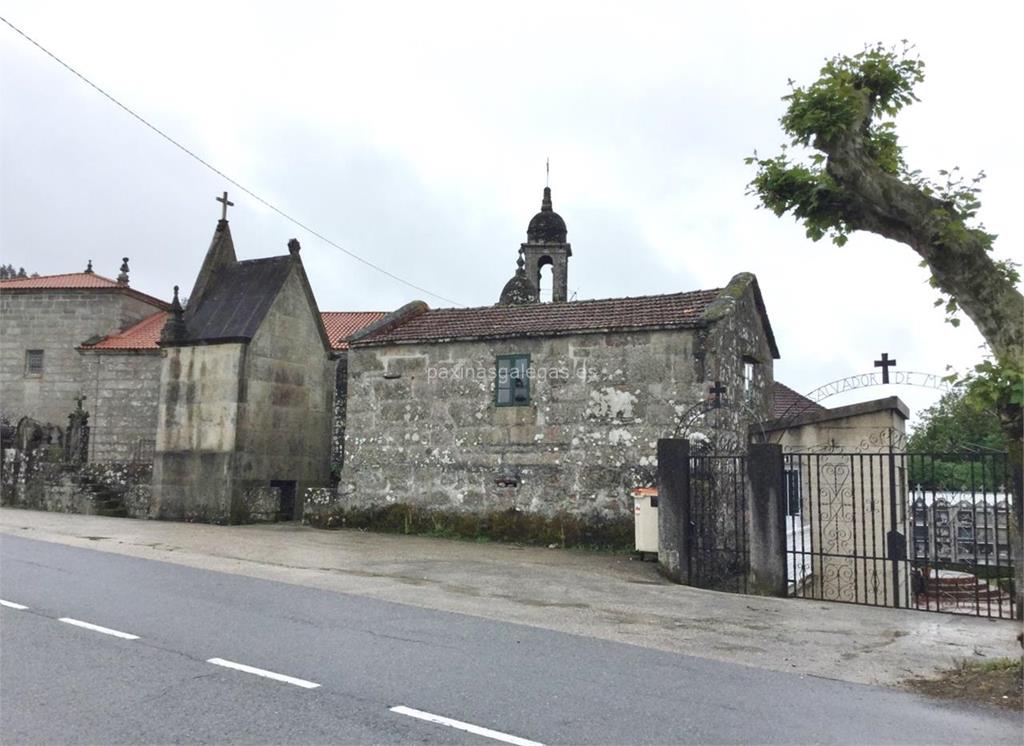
[
  {"x": 674, "y": 509},
  {"x": 895, "y": 548}
]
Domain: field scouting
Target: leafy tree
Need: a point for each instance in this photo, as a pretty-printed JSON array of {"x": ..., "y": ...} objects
[
  {"x": 955, "y": 424},
  {"x": 8, "y": 272},
  {"x": 843, "y": 171},
  {"x": 951, "y": 443}
]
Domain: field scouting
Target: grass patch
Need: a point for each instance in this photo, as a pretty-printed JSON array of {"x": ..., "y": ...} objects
[{"x": 998, "y": 682}]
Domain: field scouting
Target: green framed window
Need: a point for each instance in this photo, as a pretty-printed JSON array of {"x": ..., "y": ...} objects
[
  {"x": 33, "y": 362},
  {"x": 511, "y": 381}
]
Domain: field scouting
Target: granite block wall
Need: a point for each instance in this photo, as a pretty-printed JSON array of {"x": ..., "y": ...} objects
[
  {"x": 423, "y": 426},
  {"x": 56, "y": 322}
]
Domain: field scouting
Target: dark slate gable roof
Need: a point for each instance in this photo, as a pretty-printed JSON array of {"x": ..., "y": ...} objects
[
  {"x": 675, "y": 311},
  {"x": 236, "y": 302}
]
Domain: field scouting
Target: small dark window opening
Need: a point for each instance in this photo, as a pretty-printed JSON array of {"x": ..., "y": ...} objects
[
  {"x": 33, "y": 362},
  {"x": 512, "y": 382}
]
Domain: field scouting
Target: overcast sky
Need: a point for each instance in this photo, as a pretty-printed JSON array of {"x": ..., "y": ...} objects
[{"x": 415, "y": 135}]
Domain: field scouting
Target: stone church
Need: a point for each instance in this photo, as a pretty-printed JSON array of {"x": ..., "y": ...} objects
[
  {"x": 231, "y": 400},
  {"x": 54, "y": 349},
  {"x": 248, "y": 396}
]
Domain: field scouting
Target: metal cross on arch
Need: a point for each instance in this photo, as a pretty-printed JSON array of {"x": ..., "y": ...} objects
[{"x": 885, "y": 363}]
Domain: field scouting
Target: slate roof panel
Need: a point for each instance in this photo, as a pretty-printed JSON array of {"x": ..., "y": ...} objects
[{"x": 237, "y": 301}]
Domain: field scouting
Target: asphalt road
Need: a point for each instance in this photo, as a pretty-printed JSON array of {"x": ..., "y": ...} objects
[{"x": 331, "y": 667}]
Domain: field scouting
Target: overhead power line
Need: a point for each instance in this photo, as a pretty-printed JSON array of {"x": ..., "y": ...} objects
[{"x": 220, "y": 173}]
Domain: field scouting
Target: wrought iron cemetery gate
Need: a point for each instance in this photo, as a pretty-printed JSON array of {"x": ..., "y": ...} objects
[
  {"x": 717, "y": 533},
  {"x": 919, "y": 531}
]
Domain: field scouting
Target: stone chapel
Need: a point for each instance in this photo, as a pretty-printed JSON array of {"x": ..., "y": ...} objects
[
  {"x": 246, "y": 392},
  {"x": 545, "y": 407}
]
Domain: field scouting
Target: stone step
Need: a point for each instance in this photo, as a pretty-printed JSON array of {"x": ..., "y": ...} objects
[
  {"x": 967, "y": 593},
  {"x": 955, "y": 582},
  {"x": 981, "y": 597}
]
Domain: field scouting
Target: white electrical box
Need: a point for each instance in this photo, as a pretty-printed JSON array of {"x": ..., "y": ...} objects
[{"x": 645, "y": 515}]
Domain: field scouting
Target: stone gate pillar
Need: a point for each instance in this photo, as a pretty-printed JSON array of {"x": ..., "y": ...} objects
[
  {"x": 766, "y": 520},
  {"x": 674, "y": 509}
]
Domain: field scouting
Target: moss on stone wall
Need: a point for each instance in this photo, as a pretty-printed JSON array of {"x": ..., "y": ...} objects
[{"x": 513, "y": 526}]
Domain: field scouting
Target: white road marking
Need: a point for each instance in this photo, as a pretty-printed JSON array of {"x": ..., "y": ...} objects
[
  {"x": 12, "y": 605},
  {"x": 468, "y": 727},
  {"x": 98, "y": 628},
  {"x": 262, "y": 672}
]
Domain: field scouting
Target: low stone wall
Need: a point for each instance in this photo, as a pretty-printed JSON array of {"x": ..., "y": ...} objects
[
  {"x": 111, "y": 489},
  {"x": 326, "y": 508},
  {"x": 259, "y": 504}
]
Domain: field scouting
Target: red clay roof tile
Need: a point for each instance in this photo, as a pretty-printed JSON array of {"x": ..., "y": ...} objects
[
  {"x": 788, "y": 403},
  {"x": 341, "y": 324},
  {"x": 144, "y": 335},
  {"x": 677, "y": 310},
  {"x": 75, "y": 281},
  {"x": 140, "y": 337}
]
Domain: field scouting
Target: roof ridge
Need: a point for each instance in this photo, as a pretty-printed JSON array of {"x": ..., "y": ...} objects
[
  {"x": 585, "y": 301},
  {"x": 61, "y": 274},
  {"x": 651, "y": 312},
  {"x": 355, "y": 312},
  {"x": 276, "y": 257}
]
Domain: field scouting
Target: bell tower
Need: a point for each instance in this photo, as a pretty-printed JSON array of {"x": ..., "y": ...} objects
[{"x": 546, "y": 244}]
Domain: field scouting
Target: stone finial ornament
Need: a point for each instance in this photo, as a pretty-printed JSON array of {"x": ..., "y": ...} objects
[
  {"x": 520, "y": 290},
  {"x": 174, "y": 329},
  {"x": 122, "y": 278},
  {"x": 293, "y": 247},
  {"x": 88, "y": 267}
]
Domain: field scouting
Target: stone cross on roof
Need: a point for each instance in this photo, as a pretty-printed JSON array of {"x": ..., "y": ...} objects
[{"x": 225, "y": 205}]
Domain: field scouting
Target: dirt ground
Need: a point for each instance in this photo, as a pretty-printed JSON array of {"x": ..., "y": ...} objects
[{"x": 998, "y": 683}]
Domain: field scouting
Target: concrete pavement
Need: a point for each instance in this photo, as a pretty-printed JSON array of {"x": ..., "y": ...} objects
[{"x": 595, "y": 595}]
